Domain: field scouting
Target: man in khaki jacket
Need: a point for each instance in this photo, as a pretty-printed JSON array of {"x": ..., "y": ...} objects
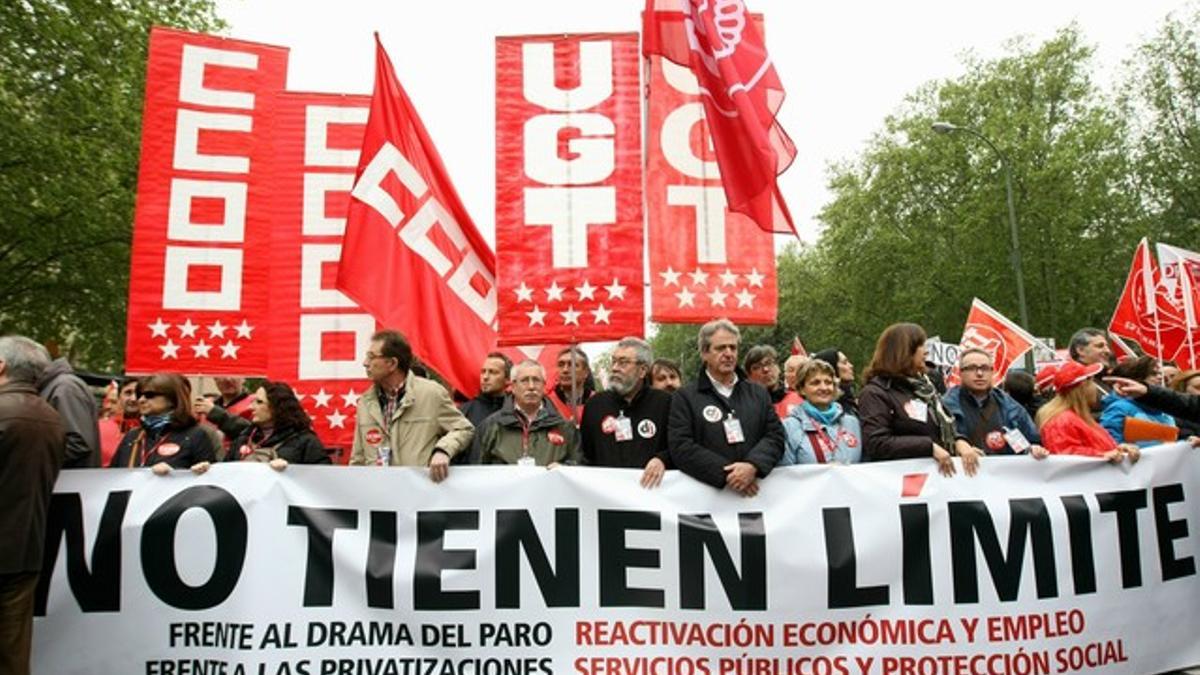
[{"x": 422, "y": 428}]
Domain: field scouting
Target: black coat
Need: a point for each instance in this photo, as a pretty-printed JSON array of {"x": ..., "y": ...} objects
[
  {"x": 648, "y": 414},
  {"x": 297, "y": 446},
  {"x": 1184, "y": 407},
  {"x": 697, "y": 443},
  {"x": 888, "y": 431},
  {"x": 188, "y": 445},
  {"x": 33, "y": 443}
]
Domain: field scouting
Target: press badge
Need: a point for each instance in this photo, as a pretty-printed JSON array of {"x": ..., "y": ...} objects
[
  {"x": 526, "y": 461},
  {"x": 385, "y": 456},
  {"x": 733, "y": 430},
  {"x": 1016, "y": 440},
  {"x": 624, "y": 428},
  {"x": 917, "y": 410}
]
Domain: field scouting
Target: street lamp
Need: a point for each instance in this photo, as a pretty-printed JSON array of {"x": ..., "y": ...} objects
[{"x": 946, "y": 128}]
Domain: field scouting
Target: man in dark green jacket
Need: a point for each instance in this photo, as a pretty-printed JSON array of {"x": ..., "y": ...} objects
[{"x": 527, "y": 430}]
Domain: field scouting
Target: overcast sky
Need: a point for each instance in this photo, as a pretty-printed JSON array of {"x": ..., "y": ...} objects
[{"x": 845, "y": 65}]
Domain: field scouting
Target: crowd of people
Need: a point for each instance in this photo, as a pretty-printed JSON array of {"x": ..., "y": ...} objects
[{"x": 729, "y": 425}]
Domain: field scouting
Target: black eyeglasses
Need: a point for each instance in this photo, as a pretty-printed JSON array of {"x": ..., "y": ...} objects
[{"x": 148, "y": 395}]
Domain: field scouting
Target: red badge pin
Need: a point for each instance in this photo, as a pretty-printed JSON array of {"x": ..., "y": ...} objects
[
  {"x": 608, "y": 424},
  {"x": 374, "y": 436},
  {"x": 995, "y": 440},
  {"x": 556, "y": 438},
  {"x": 167, "y": 449},
  {"x": 245, "y": 450}
]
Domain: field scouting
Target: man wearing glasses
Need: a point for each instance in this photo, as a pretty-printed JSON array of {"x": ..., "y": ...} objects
[
  {"x": 991, "y": 420},
  {"x": 403, "y": 419},
  {"x": 625, "y": 426},
  {"x": 527, "y": 430}
]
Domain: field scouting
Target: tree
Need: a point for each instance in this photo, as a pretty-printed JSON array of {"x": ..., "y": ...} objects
[
  {"x": 1163, "y": 94},
  {"x": 72, "y": 75},
  {"x": 918, "y": 223}
]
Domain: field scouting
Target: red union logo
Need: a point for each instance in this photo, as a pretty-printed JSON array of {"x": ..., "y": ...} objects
[
  {"x": 977, "y": 336},
  {"x": 715, "y": 29}
]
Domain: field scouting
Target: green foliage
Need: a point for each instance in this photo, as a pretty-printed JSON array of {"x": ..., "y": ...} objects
[{"x": 72, "y": 75}]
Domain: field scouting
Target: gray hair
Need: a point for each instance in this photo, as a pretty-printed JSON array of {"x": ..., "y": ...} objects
[
  {"x": 1081, "y": 338},
  {"x": 704, "y": 339},
  {"x": 641, "y": 349},
  {"x": 527, "y": 363},
  {"x": 24, "y": 360}
]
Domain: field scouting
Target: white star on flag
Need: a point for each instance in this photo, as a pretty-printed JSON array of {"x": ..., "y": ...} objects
[
  {"x": 537, "y": 317},
  {"x": 169, "y": 350},
  {"x": 699, "y": 277},
  {"x": 187, "y": 328},
  {"x": 728, "y": 278},
  {"x": 350, "y": 398},
  {"x": 586, "y": 291},
  {"x": 201, "y": 349},
  {"x": 685, "y": 298},
  {"x": 243, "y": 329},
  {"x": 601, "y": 315},
  {"x": 755, "y": 278},
  {"x": 229, "y": 350},
  {"x": 570, "y": 317},
  {"x": 554, "y": 292},
  {"x": 336, "y": 420},
  {"x": 158, "y": 328},
  {"x": 670, "y": 277},
  {"x": 300, "y": 397},
  {"x": 717, "y": 298},
  {"x": 524, "y": 293},
  {"x": 217, "y": 329},
  {"x": 321, "y": 399},
  {"x": 615, "y": 290},
  {"x": 745, "y": 298}
]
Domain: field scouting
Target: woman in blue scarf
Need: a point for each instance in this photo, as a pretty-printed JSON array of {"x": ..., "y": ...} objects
[
  {"x": 819, "y": 431},
  {"x": 169, "y": 436}
]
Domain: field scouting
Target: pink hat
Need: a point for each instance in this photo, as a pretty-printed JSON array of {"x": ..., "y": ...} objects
[
  {"x": 1045, "y": 375},
  {"x": 1073, "y": 373}
]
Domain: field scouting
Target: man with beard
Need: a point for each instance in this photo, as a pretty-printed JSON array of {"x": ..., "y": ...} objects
[
  {"x": 626, "y": 425},
  {"x": 723, "y": 430}
]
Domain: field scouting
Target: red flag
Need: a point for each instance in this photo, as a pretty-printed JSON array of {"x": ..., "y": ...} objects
[
  {"x": 742, "y": 95},
  {"x": 798, "y": 347},
  {"x": 1120, "y": 348},
  {"x": 412, "y": 255},
  {"x": 994, "y": 333},
  {"x": 1146, "y": 313}
]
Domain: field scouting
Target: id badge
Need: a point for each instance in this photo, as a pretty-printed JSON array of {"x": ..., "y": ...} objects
[
  {"x": 917, "y": 410},
  {"x": 526, "y": 461},
  {"x": 624, "y": 429},
  {"x": 385, "y": 456},
  {"x": 1016, "y": 440},
  {"x": 733, "y": 430}
]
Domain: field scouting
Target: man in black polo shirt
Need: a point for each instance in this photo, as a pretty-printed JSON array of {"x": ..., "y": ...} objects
[
  {"x": 723, "y": 430},
  {"x": 626, "y": 425}
]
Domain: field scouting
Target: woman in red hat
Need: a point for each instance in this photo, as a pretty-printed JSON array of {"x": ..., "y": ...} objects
[{"x": 1066, "y": 422}]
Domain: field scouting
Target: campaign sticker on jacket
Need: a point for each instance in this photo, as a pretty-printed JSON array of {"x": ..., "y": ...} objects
[
  {"x": 608, "y": 424},
  {"x": 712, "y": 413},
  {"x": 848, "y": 438},
  {"x": 556, "y": 438},
  {"x": 167, "y": 449},
  {"x": 917, "y": 410},
  {"x": 245, "y": 451},
  {"x": 374, "y": 436},
  {"x": 647, "y": 429},
  {"x": 995, "y": 440}
]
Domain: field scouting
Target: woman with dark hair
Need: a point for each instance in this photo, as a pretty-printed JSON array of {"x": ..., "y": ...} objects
[
  {"x": 168, "y": 436},
  {"x": 1116, "y": 409},
  {"x": 901, "y": 414},
  {"x": 279, "y": 432}
]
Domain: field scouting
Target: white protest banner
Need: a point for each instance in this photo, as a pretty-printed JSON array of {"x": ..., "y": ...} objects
[
  {"x": 941, "y": 353},
  {"x": 1060, "y": 566}
]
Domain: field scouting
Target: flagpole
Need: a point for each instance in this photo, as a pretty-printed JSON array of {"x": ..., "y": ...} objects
[{"x": 1152, "y": 301}]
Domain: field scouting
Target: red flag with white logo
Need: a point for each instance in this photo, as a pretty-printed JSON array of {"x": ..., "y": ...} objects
[
  {"x": 412, "y": 255},
  {"x": 318, "y": 336},
  {"x": 1146, "y": 313},
  {"x": 569, "y": 188},
  {"x": 706, "y": 260},
  {"x": 742, "y": 94},
  {"x": 1180, "y": 269},
  {"x": 994, "y": 333},
  {"x": 201, "y": 233}
]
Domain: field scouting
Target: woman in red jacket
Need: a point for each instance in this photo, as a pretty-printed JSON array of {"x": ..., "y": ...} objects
[{"x": 1066, "y": 422}]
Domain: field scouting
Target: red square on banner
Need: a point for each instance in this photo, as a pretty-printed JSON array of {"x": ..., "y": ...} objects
[
  {"x": 329, "y": 270},
  {"x": 207, "y": 211},
  {"x": 204, "y": 278},
  {"x": 913, "y": 484},
  {"x": 336, "y": 203},
  {"x": 344, "y": 136},
  {"x": 337, "y": 346}
]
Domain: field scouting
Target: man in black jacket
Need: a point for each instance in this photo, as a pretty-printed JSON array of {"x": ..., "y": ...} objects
[
  {"x": 493, "y": 383},
  {"x": 723, "y": 429},
  {"x": 626, "y": 425}
]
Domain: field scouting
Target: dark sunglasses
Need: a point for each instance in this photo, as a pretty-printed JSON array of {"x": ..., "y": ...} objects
[{"x": 150, "y": 394}]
